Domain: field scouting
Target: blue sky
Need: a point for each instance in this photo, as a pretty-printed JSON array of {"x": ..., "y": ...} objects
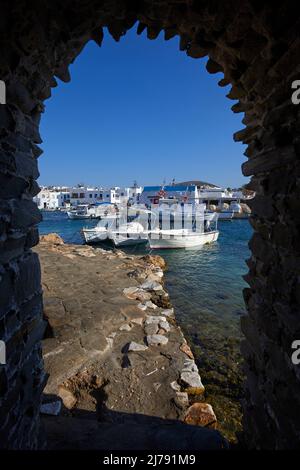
[{"x": 139, "y": 110}]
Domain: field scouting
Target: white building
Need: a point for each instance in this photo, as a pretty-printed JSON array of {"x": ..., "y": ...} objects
[
  {"x": 219, "y": 196},
  {"x": 82, "y": 195},
  {"x": 56, "y": 197},
  {"x": 52, "y": 198},
  {"x": 119, "y": 195},
  {"x": 134, "y": 193}
]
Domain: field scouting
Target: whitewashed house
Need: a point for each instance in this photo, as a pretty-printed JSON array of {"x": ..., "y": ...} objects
[
  {"x": 83, "y": 195},
  {"x": 52, "y": 199},
  {"x": 56, "y": 197}
]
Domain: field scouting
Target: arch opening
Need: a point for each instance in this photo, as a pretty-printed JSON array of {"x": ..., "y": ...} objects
[
  {"x": 137, "y": 149},
  {"x": 258, "y": 54}
]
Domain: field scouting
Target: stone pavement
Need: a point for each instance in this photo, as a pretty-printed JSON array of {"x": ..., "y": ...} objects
[{"x": 115, "y": 356}]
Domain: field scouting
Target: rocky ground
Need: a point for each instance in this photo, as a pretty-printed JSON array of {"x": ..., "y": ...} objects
[{"x": 121, "y": 375}]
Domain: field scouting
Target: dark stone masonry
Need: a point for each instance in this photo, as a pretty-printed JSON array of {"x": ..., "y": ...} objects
[{"x": 257, "y": 47}]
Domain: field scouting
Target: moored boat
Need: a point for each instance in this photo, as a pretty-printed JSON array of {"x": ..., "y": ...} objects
[
  {"x": 182, "y": 238},
  {"x": 131, "y": 233},
  {"x": 95, "y": 235},
  {"x": 81, "y": 212}
]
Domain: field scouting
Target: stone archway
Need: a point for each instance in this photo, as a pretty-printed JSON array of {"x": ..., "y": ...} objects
[{"x": 257, "y": 48}]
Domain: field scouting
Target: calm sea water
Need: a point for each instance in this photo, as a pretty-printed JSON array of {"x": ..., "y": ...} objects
[{"x": 206, "y": 290}]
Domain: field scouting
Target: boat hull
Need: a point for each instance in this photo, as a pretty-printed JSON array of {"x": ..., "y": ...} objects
[
  {"x": 94, "y": 236},
  {"x": 187, "y": 241},
  {"x": 128, "y": 234},
  {"x": 129, "y": 241},
  {"x": 78, "y": 216}
]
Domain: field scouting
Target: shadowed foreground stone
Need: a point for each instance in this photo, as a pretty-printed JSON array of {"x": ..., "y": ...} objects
[{"x": 151, "y": 435}]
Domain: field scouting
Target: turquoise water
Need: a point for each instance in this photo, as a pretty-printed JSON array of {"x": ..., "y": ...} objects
[{"x": 205, "y": 287}]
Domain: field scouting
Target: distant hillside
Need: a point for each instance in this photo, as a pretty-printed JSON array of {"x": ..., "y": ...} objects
[{"x": 197, "y": 183}]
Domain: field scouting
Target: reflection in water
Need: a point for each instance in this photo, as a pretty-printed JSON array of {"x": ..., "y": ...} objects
[{"x": 205, "y": 287}]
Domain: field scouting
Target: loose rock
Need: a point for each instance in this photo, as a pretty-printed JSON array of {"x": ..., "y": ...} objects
[
  {"x": 151, "y": 285},
  {"x": 201, "y": 414},
  {"x": 189, "y": 366},
  {"x": 187, "y": 350},
  {"x": 193, "y": 381},
  {"x": 142, "y": 306},
  {"x": 151, "y": 329},
  {"x": 181, "y": 399},
  {"x": 150, "y": 304},
  {"x": 125, "y": 327},
  {"x": 154, "y": 319},
  {"x": 133, "y": 346},
  {"x": 138, "y": 321},
  {"x": 51, "y": 238},
  {"x": 156, "y": 339},
  {"x": 155, "y": 260},
  {"x": 128, "y": 291},
  {"x": 164, "y": 325},
  {"x": 67, "y": 397},
  {"x": 169, "y": 312},
  {"x": 175, "y": 386},
  {"x": 141, "y": 295}
]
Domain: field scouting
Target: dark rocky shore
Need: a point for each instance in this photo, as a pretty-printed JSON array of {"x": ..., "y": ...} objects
[{"x": 121, "y": 374}]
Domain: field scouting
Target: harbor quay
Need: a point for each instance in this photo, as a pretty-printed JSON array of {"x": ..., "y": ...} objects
[{"x": 116, "y": 359}]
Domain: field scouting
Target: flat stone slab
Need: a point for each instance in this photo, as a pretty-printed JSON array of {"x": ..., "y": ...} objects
[
  {"x": 169, "y": 312},
  {"x": 133, "y": 346},
  {"x": 151, "y": 329},
  {"x": 189, "y": 366},
  {"x": 192, "y": 379},
  {"x": 151, "y": 285},
  {"x": 156, "y": 339}
]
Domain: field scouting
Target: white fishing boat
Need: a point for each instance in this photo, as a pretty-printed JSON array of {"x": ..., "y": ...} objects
[
  {"x": 94, "y": 235},
  {"x": 132, "y": 233},
  {"x": 97, "y": 234},
  {"x": 180, "y": 238},
  {"x": 81, "y": 212}
]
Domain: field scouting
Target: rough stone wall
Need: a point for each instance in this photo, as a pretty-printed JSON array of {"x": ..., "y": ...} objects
[{"x": 257, "y": 48}]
